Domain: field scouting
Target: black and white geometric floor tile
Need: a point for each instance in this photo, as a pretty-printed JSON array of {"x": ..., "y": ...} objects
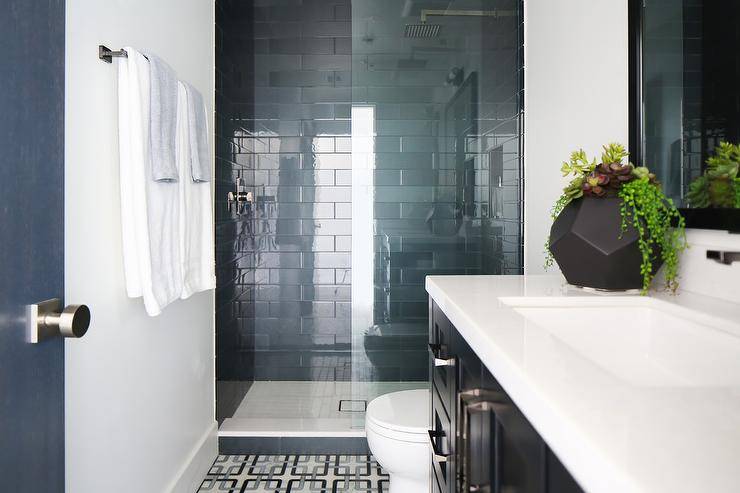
[{"x": 295, "y": 473}]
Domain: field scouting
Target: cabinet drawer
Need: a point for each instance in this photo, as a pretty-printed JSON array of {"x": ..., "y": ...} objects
[
  {"x": 442, "y": 361},
  {"x": 442, "y": 443}
]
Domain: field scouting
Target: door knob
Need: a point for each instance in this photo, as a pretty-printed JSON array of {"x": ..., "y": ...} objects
[{"x": 45, "y": 320}]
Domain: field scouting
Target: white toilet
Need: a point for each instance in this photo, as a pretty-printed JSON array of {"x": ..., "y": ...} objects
[{"x": 396, "y": 425}]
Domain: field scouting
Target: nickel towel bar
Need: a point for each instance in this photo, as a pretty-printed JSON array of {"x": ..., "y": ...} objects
[{"x": 106, "y": 54}]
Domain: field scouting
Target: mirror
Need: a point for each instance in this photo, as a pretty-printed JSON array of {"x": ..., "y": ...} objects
[{"x": 685, "y": 104}]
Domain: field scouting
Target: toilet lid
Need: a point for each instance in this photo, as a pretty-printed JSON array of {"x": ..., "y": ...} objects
[{"x": 407, "y": 411}]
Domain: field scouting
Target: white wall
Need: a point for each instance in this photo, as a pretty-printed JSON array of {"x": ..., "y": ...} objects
[
  {"x": 576, "y": 95},
  {"x": 139, "y": 390}
]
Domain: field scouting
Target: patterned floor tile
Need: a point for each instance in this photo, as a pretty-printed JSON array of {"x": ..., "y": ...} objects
[{"x": 295, "y": 473}]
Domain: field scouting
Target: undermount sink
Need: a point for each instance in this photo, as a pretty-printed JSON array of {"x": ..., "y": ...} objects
[{"x": 638, "y": 340}]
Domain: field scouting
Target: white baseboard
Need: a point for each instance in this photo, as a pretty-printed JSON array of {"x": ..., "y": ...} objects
[{"x": 191, "y": 475}]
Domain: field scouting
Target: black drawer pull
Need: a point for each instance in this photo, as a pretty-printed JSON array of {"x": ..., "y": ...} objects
[
  {"x": 435, "y": 348},
  {"x": 436, "y": 456}
]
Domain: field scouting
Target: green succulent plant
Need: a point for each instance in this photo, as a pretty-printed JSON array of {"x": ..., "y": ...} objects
[
  {"x": 719, "y": 185},
  {"x": 613, "y": 153},
  {"x": 607, "y": 179},
  {"x": 644, "y": 206},
  {"x": 578, "y": 164}
]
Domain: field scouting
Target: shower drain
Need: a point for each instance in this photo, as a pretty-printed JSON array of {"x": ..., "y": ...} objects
[{"x": 352, "y": 406}]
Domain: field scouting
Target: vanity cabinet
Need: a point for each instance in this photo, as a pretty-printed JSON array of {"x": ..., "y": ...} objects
[{"x": 480, "y": 440}]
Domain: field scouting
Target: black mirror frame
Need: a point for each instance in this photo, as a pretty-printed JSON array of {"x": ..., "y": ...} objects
[{"x": 709, "y": 218}]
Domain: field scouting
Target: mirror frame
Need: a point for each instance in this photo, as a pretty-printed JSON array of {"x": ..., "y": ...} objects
[{"x": 708, "y": 218}]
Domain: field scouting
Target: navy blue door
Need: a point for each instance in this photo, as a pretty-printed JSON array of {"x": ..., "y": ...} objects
[{"x": 31, "y": 241}]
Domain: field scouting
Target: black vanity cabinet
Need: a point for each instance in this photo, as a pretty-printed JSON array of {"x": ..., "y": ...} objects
[{"x": 481, "y": 442}]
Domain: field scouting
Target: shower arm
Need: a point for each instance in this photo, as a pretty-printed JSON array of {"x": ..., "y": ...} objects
[{"x": 469, "y": 13}]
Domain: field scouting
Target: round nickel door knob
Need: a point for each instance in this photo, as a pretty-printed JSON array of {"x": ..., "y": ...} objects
[{"x": 73, "y": 321}]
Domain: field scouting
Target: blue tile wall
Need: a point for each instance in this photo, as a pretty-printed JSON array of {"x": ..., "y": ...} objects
[
  {"x": 286, "y": 100},
  {"x": 235, "y": 267},
  {"x": 448, "y": 181}
]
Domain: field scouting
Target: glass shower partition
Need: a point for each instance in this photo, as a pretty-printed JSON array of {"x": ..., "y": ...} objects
[
  {"x": 381, "y": 142},
  {"x": 437, "y": 111}
]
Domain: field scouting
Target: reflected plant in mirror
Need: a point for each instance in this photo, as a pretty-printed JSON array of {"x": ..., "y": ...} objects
[
  {"x": 613, "y": 225},
  {"x": 719, "y": 185},
  {"x": 685, "y": 104}
]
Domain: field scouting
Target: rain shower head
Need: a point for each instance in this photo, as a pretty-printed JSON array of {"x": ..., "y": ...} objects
[
  {"x": 421, "y": 30},
  {"x": 425, "y": 30}
]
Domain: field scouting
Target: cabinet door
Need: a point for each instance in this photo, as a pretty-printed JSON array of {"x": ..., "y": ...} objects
[
  {"x": 499, "y": 451},
  {"x": 442, "y": 438},
  {"x": 476, "y": 445},
  {"x": 519, "y": 464},
  {"x": 442, "y": 361},
  {"x": 467, "y": 424}
]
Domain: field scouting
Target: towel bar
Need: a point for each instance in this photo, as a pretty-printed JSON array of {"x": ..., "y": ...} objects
[{"x": 106, "y": 54}]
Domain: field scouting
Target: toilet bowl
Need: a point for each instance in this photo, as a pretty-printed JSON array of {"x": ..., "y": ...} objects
[{"x": 396, "y": 425}]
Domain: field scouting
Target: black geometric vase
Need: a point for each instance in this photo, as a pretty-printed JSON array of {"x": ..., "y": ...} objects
[{"x": 587, "y": 242}]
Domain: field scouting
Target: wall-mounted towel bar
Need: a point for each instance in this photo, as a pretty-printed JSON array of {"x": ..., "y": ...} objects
[{"x": 106, "y": 54}]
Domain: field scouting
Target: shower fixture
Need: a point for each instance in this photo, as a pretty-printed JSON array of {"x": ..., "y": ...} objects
[
  {"x": 466, "y": 13},
  {"x": 426, "y": 30},
  {"x": 455, "y": 76},
  {"x": 421, "y": 30}
]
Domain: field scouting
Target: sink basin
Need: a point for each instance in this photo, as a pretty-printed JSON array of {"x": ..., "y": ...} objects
[{"x": 638, "y": 341}]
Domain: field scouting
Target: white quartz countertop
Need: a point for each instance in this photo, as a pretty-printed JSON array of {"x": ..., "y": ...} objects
[{"x": 633, "y": 394}]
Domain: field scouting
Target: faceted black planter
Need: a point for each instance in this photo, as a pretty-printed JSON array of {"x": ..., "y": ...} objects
[{"x": 587, "y": 243}]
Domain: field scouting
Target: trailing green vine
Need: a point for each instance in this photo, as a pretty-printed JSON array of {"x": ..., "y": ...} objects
[
  {"x": 652, "y": 214},
  {"x": 645, "y": 207}
]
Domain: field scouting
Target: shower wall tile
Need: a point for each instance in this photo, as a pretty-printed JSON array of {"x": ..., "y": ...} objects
[
  {"x": 284, "y": 108},
  {"x": 234, "y": 268},
  {"x": 447, "y": 179}
]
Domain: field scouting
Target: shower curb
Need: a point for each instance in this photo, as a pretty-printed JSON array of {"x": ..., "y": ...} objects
[{"x": 292, "y": 445}]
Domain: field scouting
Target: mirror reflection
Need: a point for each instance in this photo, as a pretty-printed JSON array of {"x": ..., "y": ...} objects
[{"x": 691, "y": 100}]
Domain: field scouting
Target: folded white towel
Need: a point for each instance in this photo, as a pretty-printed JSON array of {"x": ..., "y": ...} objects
[
  {"x": 164, "y": 114},
  {"x": 196, "y": 216},
  {"x": 200, "y": 157},
  {"x": 149, "y": 209}
]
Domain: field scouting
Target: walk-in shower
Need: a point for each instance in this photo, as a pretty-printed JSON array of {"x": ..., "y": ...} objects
[{"x": 370, "y": 156}]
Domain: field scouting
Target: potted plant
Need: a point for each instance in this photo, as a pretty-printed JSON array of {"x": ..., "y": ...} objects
[
  {"x": 613, "y": 227},
  {"x": 719, "y": 185}
]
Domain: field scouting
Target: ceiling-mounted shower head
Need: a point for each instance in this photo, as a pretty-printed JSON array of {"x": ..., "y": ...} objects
[
  {"x": 426, "y": 30},
  {"x": 421, "y": 30}
]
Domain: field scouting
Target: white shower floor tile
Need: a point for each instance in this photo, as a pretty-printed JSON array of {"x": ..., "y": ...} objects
[{"x": 306, "y": 408}]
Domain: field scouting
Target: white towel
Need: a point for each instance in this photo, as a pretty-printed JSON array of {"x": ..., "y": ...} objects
[
  {"x": 132, "y": 145},
  {"x": 149, "y": 209},
  {"x": 196, "y": 218},
  {"x": 164, "y": 114}
]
